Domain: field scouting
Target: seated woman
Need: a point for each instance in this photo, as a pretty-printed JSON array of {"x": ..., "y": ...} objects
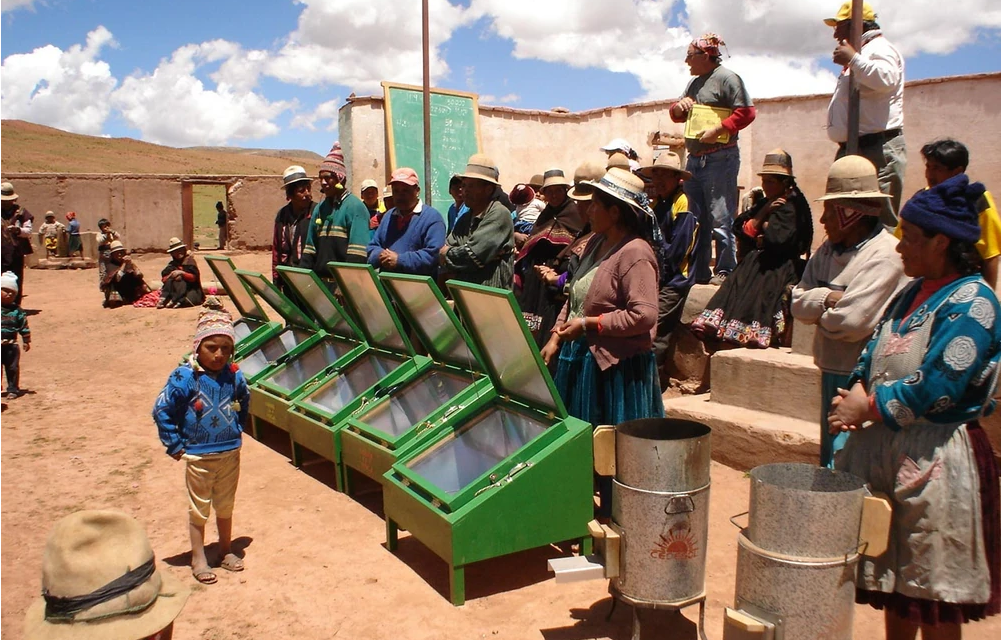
[
  {"x": 915, "y": 396},
  {"x": 123, "y": 281},
  {"x": 606, "y": 368},
  {"x": 751, "y": 307},
  {"x": 182, "y": 282}
]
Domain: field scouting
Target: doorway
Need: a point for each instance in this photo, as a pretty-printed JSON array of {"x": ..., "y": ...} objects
[{"x": 205, "y": 233}]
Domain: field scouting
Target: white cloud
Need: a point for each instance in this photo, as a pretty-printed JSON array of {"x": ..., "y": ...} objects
[
  {"x": 172, "y": 106},
  {"x": 65, "y": 89},
  {"x": 508, "y": 98},
  {"x": 325, "y": 111},
  {"x": 358, "y": 43},
  {"x": 11, "y": 5}
]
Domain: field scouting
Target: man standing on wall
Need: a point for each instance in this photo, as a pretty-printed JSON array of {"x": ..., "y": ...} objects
[
  {"x": 879, "y": 70},
  {"x": 713, "y": 189},
  {"x": 291, "y": 222},
  {"x": 339, "y": 226}
]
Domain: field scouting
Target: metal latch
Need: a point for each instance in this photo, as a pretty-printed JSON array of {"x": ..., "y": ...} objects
[{"x": 507, "y": 478}]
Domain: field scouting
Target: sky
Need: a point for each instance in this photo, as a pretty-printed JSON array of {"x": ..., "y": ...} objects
[{"x": 274, "y": 74}]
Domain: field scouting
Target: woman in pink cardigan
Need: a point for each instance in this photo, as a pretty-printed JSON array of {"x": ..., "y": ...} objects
[{"x": 603, "y": 337}]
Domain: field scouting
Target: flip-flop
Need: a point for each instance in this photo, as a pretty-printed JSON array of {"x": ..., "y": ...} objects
[
  {"x": 204, "y": 576},
  {"x": 231, "y": 562}
]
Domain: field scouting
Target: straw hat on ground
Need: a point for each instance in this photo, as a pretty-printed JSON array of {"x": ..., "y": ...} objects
[
  {"x": 100, "y": 582},
  {"x": 585, "y": 175},
  {"x": 777, "y": 163},
  {"x": 666, "y": 160},
  {"x": 481, "y": 167},
  {"x": 852, "y": 177}
]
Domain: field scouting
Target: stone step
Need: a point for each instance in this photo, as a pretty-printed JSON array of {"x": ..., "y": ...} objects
[
  {"x": 743, "y": 438},
  {"x": 802, "y": 338},
  {"x": 771, "y": 380}
]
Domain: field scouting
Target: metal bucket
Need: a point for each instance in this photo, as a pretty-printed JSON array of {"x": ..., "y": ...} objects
[
  {"x": 661, "y": 500},
  {"x": 804, "y": 511},
  {"x": 807, "y": 598}
]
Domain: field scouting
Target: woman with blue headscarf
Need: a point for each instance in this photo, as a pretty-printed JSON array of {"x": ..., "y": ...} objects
[{"x": 921, "y": 384}]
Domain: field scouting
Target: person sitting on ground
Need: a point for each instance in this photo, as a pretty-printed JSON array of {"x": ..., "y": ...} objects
[
  {"x": 100, "y": 580},
  {"x": 291, "y": 223},
  {"x": 527, "y": 209},
  {"x": 74, "y": 245},
  {"x": 458, "y": 208},
  {"x": 411, "y": 234},
  {"x": 750, "y": 309},
  {"x": 182, "y": 282},
  {"x": 370, "y": 194},
  {"x": 123, "y": 281},
  {"x": 479, "y": 248},
  {"x": 848, "y": 282},
  {"x": 49, "y": 232},
  {"x": 15, "y": 323},
  {"x": 200, "y": 415},
  {"x": 679, "y": 235}
]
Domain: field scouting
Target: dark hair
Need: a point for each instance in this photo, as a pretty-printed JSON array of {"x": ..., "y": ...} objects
[
  {"x": 219, "y": 204},
  {"x": 628, "y": 215},
  {"x": 103, "y": 221},
  {"x": 961, "y": 255},
  {"x": 950, "y": 153},
  {"x": 291, "y": 188},
  {"x": 870, "y": 25},
  {"x": 455, "y": 181}
]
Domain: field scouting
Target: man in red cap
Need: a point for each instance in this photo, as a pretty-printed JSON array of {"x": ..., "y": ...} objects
[
  {"x": 339, "y": 226},
  {"x": 411, "y": 233}
]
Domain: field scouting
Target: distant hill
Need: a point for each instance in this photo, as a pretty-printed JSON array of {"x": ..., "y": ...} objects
[{"x": 33, "y": 148}]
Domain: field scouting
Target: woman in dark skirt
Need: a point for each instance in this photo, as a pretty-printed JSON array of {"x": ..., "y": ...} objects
[
  {"x": 181, "y": 278},
  {"x": 604, "y": 334},
  {"x": 751, "y": 307}
]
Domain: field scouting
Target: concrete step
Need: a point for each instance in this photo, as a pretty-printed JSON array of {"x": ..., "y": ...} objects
[
  {"x": 772, "y": 380},
  {"x": 743, "y": 438},
  {"x": 802, "y": 338}
]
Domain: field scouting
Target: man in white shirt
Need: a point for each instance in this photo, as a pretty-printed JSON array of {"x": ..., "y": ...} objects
[{"x": 879, "y": 69}]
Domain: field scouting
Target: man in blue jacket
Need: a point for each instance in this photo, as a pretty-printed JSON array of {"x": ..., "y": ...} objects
[
  {"x": 410, "y": 235},
  {"x": 679, "y": 231}
]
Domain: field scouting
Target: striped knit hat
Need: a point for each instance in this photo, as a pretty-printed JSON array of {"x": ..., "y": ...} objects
[
  {"x": 335, "y": 161},
  {"x": 213, "y": 321}
]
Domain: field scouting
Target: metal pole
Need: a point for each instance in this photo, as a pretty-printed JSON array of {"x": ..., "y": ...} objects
[
  {"x": 427, "y": 101},
  {"x": 853, "y": 116}
]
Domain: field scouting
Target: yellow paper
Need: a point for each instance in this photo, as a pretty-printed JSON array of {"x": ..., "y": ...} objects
[{"x": 702, "y": 118}]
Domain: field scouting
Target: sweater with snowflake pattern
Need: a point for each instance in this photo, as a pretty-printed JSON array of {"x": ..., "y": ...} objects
[{"x": 201, "y": 413}]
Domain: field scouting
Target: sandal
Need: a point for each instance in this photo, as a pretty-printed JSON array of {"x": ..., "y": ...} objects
[
  {"x": 204, "y": 575},
  {"x": 231, "y": 562}
]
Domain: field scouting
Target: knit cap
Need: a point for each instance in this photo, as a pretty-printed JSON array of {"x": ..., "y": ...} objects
[
  {"x": 521, "y": 194},
  {"x": 335, "y": 161},
  {"x": 213, "y": 321},
  {"x": 8, "y": 281},
  {"x": 948, "y": 208}
]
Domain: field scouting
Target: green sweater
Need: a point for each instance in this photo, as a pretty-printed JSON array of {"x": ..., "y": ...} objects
[{"x": 339, "y": 232}]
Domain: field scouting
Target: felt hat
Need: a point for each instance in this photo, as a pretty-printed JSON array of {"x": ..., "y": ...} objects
[
  {"x": 618, "y": 160},
  {"x": 369, "y": 184},
  {"x": 665, "y": 160},
  {"x": 552, "y": 177},
  {"x": 116, "y": 246},
  {"x": 777, "y": 163},
  {"x": 845, "y": 12},
  {"x": 481, "y": 167},
  {"x": 100, "y": 582},
  {"x": 947, "y": 208},
  {"x": 585, "y": 175},
  {"x": 404, "y": 175},
  {"x": 852, "y": 177},
  {"x": 294, "y": 174},
  {"x": 7, "y": 192},
  {"x": 521, "y": 194},
  {"x": 8, "y": 281},
  {"x": 335, "y": 161},
  {"x": 536, "y": 182},
  {"x": 50, "y": 214},
  {"x": 624, "y": 186},
  {"x": 617, "y": 144},
  {"x": 174, "y": 244},
  {"x": 212, "y": 321}
]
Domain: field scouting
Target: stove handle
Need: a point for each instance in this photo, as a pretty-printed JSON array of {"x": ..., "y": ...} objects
[
  {"x": 679, "y": 504},
  {"x": 736, "y": 516}
]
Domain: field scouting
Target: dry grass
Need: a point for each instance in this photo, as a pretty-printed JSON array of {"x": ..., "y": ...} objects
[{"x": 34, "y": 148}]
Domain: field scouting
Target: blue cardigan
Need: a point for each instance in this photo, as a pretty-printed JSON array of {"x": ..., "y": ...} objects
[
  {"x": 417, "y": 246},
  {"x": 198, "y": 413}
]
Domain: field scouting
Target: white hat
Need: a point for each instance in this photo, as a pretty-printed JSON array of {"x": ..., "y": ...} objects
[
  {"x": 368, "y": 184},
  {"x": 8, "y": 281},
  {"x": 617, "y": 144},
  {"x": 294, "y": 174}
]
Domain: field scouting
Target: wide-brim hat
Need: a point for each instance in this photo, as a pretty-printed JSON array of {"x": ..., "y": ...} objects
[
  {"x": 777, "y": 163},
  {"x": 665, "y": 160},
  {"x": 852, "y": 177},
  {"x": 585, "y": 175},
  {"x": 555, "y": 177},
  {"x": 174, "y": 244},
  {"x": 7, "y": 192},
  {"x": 624, "y": 186},
  {"x": 89, "y": 550},
  {"x": 481, "y": 167},
  {"x": 846, "y": 12},
  {"x": 536, "y": 181},
  {"x": 294, "y": 174},
  {"x": 115, "y": 246}
]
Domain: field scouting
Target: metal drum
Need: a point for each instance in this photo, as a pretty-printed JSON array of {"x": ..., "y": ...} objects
[
  {"x": 661, "y": 499},
  {"x": 808, "y": 598},
  {"x": 805, "y": 511}
]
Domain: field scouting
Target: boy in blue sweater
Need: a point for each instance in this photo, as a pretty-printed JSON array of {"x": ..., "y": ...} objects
[
  {"x": 200, "y": 416},
  {"x": 410, "y": 235}
]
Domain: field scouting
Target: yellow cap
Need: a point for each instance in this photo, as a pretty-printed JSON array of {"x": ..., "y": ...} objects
[{"x": 845, "y": 11}]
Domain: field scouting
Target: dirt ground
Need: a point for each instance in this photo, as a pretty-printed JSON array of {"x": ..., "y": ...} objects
[{"x": 82, "y": 437}]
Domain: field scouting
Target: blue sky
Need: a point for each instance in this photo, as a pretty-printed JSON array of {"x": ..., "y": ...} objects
[{"x": 273, "y": 74}]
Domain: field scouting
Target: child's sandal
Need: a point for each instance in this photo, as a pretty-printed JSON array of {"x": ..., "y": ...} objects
[
  {"x": 204, "y": 576},
  {"x": 231, "y": 562}
]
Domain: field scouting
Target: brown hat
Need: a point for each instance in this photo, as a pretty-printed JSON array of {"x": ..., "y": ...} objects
[
  {"x": 618, "y": 160},
  {"x": 852, "y": 177},
  {"x": 7, "y": 192},
  {"x": 536, "y": 182},
  {"x": 552, "y": 177},
  {"x": 100, "y": 582},
  {"x": 585, "y": 174},
  {"x": 481, "y": 167},
  {"x": 777, "y": 163},
  {"x": 666, "y": 160}
]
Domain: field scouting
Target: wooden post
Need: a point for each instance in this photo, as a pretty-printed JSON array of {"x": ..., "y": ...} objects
[
  {"x": 853, "y": 114},
  {"x": 426, "y": 102}
]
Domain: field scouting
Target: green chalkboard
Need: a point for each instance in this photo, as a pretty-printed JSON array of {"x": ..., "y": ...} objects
[{"x": 455, "y": 135}]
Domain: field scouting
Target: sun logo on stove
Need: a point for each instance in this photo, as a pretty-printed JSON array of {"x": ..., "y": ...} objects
[{"x": 679, "y": 544}]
